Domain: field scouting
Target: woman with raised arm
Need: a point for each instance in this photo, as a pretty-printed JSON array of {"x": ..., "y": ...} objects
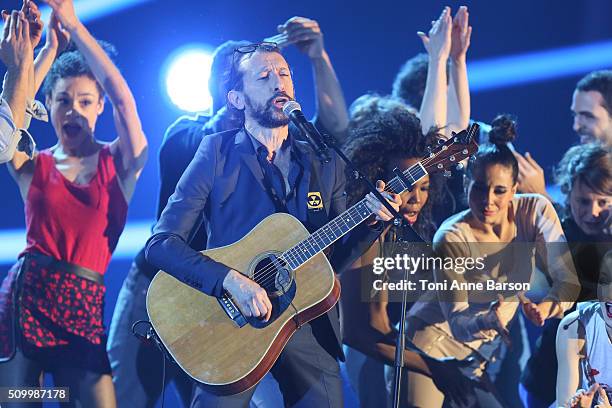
[
  {"x": 76, "y": 195},
  {"x": 385, "y": 133},
  {"x": 446, "y": 96},
  {"x": 446, "y": 101}
]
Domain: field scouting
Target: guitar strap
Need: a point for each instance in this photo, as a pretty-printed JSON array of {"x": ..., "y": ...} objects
[
  {"x": 273, "y": 177},
  {"x": 279, "y": 203},
  {"x": 316, "y": 214},
  {"x": 274, "y": 184}
]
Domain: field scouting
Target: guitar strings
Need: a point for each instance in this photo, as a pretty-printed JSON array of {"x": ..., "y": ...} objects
[{"x": 268, "y": 274}]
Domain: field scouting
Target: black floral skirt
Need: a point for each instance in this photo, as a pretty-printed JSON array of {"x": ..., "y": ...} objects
[{"x": 53, "y": 312}]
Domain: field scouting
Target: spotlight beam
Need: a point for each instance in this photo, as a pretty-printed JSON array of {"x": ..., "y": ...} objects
[
  {"x": 538, "y": 66},
  {"x": 88, "y": 10}
]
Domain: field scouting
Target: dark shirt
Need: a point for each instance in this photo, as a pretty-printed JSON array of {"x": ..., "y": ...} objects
[
  {"x": 587, "y": 252},
  {"x": 539, "y": 376}
]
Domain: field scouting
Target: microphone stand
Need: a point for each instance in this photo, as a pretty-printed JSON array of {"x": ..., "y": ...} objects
[
  {"x": 408, "y": 235},
  {"x": 314, "y": 138}
]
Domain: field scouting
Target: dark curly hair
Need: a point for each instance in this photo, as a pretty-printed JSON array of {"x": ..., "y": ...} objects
[
  {"x": 71, "y": 63},
  {"x": 590, "y": 163},
  {"x": 383, "y": 128},
  {"x": 409, "y": 83},
  {"x": 503, "y": 131}
]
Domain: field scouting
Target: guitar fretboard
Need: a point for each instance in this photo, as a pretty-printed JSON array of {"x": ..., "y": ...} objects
[{"x": 345, "y": 222}]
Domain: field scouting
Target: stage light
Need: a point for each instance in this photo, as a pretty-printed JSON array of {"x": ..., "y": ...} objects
[
  {"x": 537, "y": 66},
  {"x": 88, "y": 10},
  {"x": 187, "y": 79}
]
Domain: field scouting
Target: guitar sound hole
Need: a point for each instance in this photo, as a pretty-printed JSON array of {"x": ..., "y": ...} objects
[{"x": 272, "y": 274}]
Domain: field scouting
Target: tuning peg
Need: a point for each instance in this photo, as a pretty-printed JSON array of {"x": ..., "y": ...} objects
[{"x": 459, "y": 166}]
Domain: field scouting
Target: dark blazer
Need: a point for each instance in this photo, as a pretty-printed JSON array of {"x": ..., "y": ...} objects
[{"x": 223, "y": 186}]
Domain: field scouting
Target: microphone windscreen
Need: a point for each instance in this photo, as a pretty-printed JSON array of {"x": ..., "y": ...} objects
[{"x": 291, "y": 106}]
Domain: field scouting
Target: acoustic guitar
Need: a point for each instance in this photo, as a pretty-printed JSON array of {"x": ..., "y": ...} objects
[{"x": 209, "y": 337}]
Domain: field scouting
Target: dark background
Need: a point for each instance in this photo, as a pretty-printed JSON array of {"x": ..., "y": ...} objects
[{"x": 367, "y": 40}]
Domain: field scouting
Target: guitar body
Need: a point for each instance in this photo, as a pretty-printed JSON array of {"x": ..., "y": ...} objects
[{"x": 212, "y": 348}]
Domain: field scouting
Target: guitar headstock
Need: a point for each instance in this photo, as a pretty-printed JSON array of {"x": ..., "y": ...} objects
[{"x": 459, "y": 147}]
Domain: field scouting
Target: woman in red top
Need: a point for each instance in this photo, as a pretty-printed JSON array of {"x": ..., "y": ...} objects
[{"x": 76, "y": 196}]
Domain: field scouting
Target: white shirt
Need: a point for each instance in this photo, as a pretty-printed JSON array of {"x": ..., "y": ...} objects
[
  {"x": 9, "y": 134},
  {"x": 598, "y": 349},
  {"x": 537, "y": 223}
]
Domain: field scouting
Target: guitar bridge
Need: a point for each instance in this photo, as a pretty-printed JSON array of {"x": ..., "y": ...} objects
[{"x": 227, "y": 304}]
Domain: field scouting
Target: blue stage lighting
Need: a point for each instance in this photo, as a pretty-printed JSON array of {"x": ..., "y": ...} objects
[
  {"x": 91, "y": 9},
  {"x": 537, "y": 66},
  {"x": 187, "y": 79}
]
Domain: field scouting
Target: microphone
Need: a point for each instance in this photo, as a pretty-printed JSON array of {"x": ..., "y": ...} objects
[{"x": 293, "y": 110}]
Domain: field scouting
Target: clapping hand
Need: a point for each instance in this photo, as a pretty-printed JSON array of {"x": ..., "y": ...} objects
[
  {"x": 460, "y": 35},
  {"x": 16, "y": 50},
  {"x": 65, "y": 13},
  {"x": 57, "y": 37},
  {"x": 438, "y": 41},
  {"x": 304, "y": 33}
]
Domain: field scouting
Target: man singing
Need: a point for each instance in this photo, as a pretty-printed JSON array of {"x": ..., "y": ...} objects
[{"x": 238, "y": 178}]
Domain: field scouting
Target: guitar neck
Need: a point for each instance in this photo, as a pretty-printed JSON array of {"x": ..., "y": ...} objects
[{"x": 345, "y": 222}]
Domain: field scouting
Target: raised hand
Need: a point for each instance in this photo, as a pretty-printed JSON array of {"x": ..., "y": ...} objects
[
  {"x": 16, "y": 50},
  {"x": 304, "y": 33},
  {"x": 57, "y": 37},
  {"x": 32, "y": 14},
  {"x": 460, "y": 35},
  {"x": 438, "y": 41},
  {"x": 64, "y": 11},
  {"x": 531, "y": 175}
]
